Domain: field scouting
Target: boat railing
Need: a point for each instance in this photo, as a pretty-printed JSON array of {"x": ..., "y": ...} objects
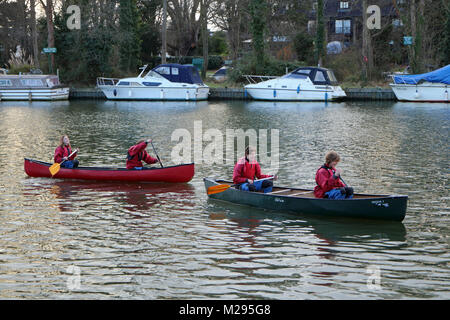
[
  {"x": 257, "y": 79},
  {"x": 101, "y": 81}
]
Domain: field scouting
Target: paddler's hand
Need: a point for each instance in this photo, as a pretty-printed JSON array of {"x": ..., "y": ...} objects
[
  {"x": 275, "y": 177},
  {"x": 149, "y": 141},
  {"x": 337, "y": 173},
  {"x": 250, "y": 181}
]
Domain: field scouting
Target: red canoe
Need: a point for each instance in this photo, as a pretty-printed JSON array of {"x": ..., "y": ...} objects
[{"x": 179, "y": 173}]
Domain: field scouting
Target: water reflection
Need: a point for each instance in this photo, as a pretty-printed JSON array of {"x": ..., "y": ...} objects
[
  {"x": 331, "y": 230},
  {"x": 137, "y": 198}
]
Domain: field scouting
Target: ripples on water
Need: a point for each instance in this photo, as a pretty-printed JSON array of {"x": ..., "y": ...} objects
[{"x": 146, "y": 241}]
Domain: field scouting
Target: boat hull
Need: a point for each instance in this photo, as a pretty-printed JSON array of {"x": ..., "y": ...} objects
[
  {"x": 34, "y": 94},
  {"x": 379, "y": 207},
  {"x": 179, "y": 173},
  {"x": 113, "y": 92},
  {"x": 430, "y": 92},
  {"x": 277, "y": 94}
]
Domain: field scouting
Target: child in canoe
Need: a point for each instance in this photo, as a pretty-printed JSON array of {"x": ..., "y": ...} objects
[
  {"x": 137, "y": 153},
  {"x": 329, "y": 184},
  {"x": 247, "y": 170},
  {"x": 62, "y": 153}
]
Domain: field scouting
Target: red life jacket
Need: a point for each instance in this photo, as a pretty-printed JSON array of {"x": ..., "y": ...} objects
[
  {"x": 136, "y": 154},
  {"x": 244, "y": 170},
  {"x": 61, "y": 152},
  {"x": 325, "y": 181}
]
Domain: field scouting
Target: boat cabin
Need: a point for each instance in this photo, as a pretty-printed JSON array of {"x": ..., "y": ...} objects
[
  {"x": 181, "y": 73},
  {"x": 318, "y": 76}
]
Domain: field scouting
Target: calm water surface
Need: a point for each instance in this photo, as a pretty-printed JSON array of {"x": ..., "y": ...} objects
[{"x": 72, "y": 239}]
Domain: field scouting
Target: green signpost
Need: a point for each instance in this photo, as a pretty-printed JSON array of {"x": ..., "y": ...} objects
[{"x": 48, "y": 51}]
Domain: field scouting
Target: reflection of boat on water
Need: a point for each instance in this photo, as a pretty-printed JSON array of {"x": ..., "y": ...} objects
[
  {"x": 134, "y": 196},
  {"x": 427, "y": 87},
  {"x": 330, "y": 230},
  {"x": 303, "y": 201}
]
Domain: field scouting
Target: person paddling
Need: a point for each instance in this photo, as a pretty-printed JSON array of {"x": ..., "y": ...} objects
[
  {"x": 63, "y": 154},
  {"x": 137, "y": 153},
  {"x": 329, "y": 184},
  {"x": 247, "y": 170}
]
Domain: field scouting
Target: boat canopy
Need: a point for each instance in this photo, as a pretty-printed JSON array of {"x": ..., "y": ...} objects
[
  {"x": 179, "y": 73},
  {"x": 441, "y": 75},
  {"x": 318, "y": 76}
]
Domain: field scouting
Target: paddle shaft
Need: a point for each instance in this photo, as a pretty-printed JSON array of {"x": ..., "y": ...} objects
[
  {"x": 157, "y": 155},
  {"x": 76, "y": 150},
  {"x": 341, "y": 178}
]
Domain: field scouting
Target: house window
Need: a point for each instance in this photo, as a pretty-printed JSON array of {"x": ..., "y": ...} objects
[
  {"x": 343, "y": 26},
  {"x": 311, "y": 26},
  {"x": 397, "y": 23},
  {"x": 343, "y": 5}
]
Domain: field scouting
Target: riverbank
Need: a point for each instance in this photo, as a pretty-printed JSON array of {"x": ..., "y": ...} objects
[{"x": 240, "y": 94}]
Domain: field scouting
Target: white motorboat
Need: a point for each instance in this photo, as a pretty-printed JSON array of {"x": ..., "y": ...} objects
[
  {"x": 302, "y": 84},
  {"x": 31, "y": 87},
  {"x": 165, "y": 82},
  {"x": 427, "y": 87}
]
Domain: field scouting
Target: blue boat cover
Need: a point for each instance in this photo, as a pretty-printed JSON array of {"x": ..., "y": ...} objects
[
  {"x": 179, "y": 73},
  {"x": 441, "y": 75}
]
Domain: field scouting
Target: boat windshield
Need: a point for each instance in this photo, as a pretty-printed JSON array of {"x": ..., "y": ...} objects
[
  {"x": 295, "y": 76},
  {"x": 331, "y": 76},
  {"x": 154, "y": 74}
]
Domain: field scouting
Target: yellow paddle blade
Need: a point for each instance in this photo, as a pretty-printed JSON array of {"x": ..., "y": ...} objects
[
  {"x": 217, "y": 189},
  {"x": 54, "y": 168}
]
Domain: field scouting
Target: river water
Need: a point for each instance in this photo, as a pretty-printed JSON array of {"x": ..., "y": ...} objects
[{"x": 80, "y": 240}]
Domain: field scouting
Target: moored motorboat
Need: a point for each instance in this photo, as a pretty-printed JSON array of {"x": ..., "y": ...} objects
[
  {"x": 31, "y": 87},
  {"x": 302, "y": 84},
  {"x": 427, "y": 87},
  {"x": 178, "y": 173},
  {"x": 364, "y": 206},
  {"x": 165, "y": 82}
]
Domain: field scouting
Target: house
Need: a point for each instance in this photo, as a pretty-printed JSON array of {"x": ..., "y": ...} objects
[{"x": 343, "y": 19}]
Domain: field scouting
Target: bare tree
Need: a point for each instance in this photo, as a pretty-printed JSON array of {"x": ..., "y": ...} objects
[{"x": 48, "y": 7}]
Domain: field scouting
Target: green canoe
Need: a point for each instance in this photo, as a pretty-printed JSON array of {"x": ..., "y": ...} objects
[{"x": 365, "y": 206}]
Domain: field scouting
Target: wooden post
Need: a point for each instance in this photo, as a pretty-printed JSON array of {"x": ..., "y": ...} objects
[{"x": 164, "y": 33}]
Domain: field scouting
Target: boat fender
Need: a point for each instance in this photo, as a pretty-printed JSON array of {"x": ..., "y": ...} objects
[
  {"x": 187, "y": 94},
  {"x": 245, "y": 93},
  {"x": 129, "y": 93},
  {"x": 416, "y": 95},
  {"x": 274, "y": 93},
  {"x": 298, "y": 89},
  {"x": 326, "y": 96},
  {"x": 161, "y": 94},
  {"x": 115, "y": 92}
]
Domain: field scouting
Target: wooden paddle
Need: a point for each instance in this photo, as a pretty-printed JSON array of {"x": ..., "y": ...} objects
[
  {"x": 54, "y": 168},
  {"x": 157, "y": 155},
  {"x": 222, "y": 187}
]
